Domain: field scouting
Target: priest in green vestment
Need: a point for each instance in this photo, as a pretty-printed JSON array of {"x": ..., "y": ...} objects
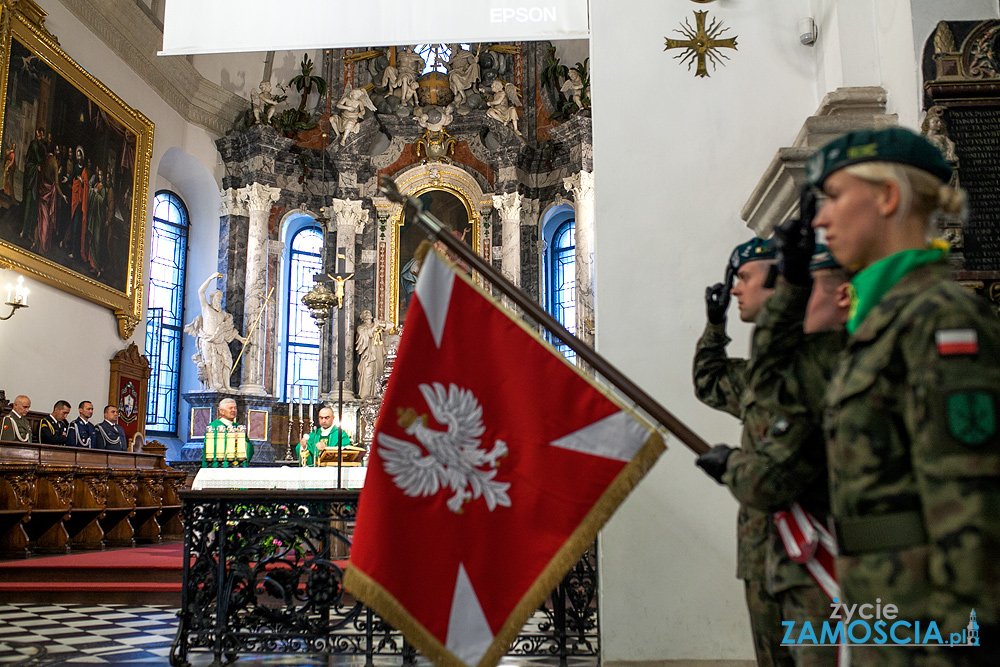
[
  {"x": 325, "y": 436},
  {"x": 226, "y": 419}
]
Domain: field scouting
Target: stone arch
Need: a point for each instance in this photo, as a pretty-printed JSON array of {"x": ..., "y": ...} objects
[{"x": 415, "y": 181}]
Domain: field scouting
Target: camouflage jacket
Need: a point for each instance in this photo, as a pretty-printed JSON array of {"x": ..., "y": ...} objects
[
  {"x": 913, "y": 431},
  {"x": 720, "y": 382},
  {"x": 782, "y": 457}
]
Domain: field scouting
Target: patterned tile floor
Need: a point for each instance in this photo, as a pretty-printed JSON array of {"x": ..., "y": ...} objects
[{"x": 36, "y": 635}]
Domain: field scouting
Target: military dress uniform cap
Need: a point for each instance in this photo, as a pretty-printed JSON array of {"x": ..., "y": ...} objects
[
  {"x": 894, "y": 144},
  {"x": 822, "y": 259},
  {"x": 751, "y": 251}
]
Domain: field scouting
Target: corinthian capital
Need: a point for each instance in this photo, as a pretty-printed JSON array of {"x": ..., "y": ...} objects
[
  {"x": 582, "y": 185},
  {"x": 349, "y": 212},
  {"x": 258, "y": 197},
  {"x": 509, "y": 205}
]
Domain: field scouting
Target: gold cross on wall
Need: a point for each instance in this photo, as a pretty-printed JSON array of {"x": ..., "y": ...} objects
[{"x": 701, "y": 45}]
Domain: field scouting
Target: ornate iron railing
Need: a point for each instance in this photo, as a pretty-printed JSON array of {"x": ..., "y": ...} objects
[{"x": 263, "y": 572}]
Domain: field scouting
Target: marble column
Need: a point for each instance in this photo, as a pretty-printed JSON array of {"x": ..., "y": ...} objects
[
  {"x": 258, "y": 198},
  {"x": 348, "y": 220},
  {"x": 509, "y": 206},
  {"x": 582, "y": 186},
  {"x": 232, "y": 251}
]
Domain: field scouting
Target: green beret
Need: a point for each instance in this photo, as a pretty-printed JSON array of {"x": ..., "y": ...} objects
[
  {"x": 822, "y": 259},
  {"x": 894, "y": 144},
  {"x": 751, "y": 251}
]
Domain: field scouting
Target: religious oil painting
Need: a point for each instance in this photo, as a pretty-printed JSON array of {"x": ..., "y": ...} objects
[
  {"x": 451, "y": 210},
  {"x": 75, "y": 175}
]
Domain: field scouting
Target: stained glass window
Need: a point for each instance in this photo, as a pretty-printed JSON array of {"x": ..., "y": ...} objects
[
  {"x": 562, "y": 281},
  {"x": 302, "y": 335},
  {"x": 165, "y": 312},
  {"x": 436, "y": 56}
]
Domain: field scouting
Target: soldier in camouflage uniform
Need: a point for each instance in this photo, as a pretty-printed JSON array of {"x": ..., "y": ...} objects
[
  {"x": 720, "y": 382},
  {"x": 913, "y": 433},
  {"x": 782, "y": 457}
]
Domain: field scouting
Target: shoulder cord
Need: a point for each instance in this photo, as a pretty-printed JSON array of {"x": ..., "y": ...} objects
[
  {"x": 74, "y": 427},
  {"x": 17, "y": 431},
  {"x": 104, "y": 433}
]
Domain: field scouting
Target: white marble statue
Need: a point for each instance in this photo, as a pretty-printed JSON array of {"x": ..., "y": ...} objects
[
  {"x": 265, "y": 103},
  {"x": 434, "y": 118},
  {"x": 213, "y": 330},
  {"x": 463, "y": 72},
  {"x": 409, "y": 67},
  {"x": 371, "y": 354},
  {"x": 352, "y": 106},
  {"x": 573, "y": 86},
  {"x": 503, "y": 102}
]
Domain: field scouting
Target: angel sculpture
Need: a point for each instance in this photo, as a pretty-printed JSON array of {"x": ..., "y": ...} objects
[
  {"x": 352, "y": 105},
  {"x": 264, "y": 103},
  {"x": 573, "y": 86},
  {"x": 503, "y": 103},
  {"x": 454, "y": 458}
]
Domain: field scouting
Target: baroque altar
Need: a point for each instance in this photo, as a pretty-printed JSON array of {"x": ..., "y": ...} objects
[{"x": 492, "y": 138}]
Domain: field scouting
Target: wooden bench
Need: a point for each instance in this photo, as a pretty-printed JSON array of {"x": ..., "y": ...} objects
[{"x": 54, "y": 498}]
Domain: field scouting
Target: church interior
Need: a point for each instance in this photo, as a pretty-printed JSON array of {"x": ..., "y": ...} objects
[{"x": 243, "y": 248}]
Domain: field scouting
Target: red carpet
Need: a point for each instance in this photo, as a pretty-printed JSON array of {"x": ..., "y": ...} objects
[{"x": 141, "y": 575}]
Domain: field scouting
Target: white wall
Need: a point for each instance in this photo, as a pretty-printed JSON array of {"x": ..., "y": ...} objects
[
  {"x": 667, "y": 200},
  {"x": 60, "y": 347}
]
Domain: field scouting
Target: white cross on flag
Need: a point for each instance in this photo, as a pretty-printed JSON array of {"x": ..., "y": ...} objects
[{"x": 494, "y": 464}]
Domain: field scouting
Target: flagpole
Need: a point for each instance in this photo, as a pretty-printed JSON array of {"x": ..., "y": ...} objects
[{"x": 644, "y": 401}]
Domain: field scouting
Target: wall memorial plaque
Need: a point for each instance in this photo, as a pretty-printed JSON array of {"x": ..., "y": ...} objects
[
  {"x": 961, "y": 71},
  {"x": 976, "y": 133}
]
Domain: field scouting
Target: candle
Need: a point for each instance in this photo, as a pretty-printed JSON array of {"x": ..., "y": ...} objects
[
  {"x": 311, "y": 404},
  {"x": 241, "y": 444},
  {"x": 209, "y": 445},
  {"x": 231, "y": 444},
  {"x": 302, "y": 394},
  {"x": 291, "y": 387}
]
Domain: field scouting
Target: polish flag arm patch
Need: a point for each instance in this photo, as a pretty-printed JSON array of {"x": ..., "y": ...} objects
[{"x": 952, "y": 342}]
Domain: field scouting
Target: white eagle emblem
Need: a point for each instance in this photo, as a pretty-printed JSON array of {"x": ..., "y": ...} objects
[{"x": 454, "y": 459}]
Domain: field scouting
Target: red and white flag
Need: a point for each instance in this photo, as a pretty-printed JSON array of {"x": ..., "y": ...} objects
[{"x": 493, "y": 466}]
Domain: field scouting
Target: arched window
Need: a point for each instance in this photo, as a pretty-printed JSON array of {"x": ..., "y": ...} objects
[
  {"x": 165, "y": 314},
  {"x": 305, "y": 260},
  {"x": 561, "y": 274}
]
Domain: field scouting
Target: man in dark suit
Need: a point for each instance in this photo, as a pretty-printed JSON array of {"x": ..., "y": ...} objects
[
  {"x": 53, "y": 427},
  {"x": 109, "y": 434},
  {"x": 81, "y": 432}
]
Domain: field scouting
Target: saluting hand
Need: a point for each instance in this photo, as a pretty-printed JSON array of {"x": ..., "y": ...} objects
[
  {"x": 717, "y": 302},
  {"x": 795, "y": 241}
]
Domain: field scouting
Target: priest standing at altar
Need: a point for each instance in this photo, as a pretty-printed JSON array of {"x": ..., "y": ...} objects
[{"x": 309, "y": 448}]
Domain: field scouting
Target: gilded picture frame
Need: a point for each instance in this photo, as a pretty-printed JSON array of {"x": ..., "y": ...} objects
[{"x": 75, "y": 174}]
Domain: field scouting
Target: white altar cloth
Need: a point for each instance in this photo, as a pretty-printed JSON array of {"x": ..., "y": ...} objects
[{"x": 285, "y": 477}]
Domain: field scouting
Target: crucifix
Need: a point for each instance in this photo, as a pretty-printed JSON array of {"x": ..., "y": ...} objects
[
  {"x": 701, "y": 43},
  {"x": 339, "y": 278}
]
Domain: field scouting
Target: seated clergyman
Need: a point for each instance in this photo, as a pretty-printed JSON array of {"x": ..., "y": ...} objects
[
  {"x": 53, "y": 427},
  {"x": 309, "y": 448},
  {"x": 223, "y": 423},
  {"x": 16, "y": 427}
]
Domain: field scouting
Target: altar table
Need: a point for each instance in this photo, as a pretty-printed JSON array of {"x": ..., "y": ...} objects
[{"x": 285, "y": 477}]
